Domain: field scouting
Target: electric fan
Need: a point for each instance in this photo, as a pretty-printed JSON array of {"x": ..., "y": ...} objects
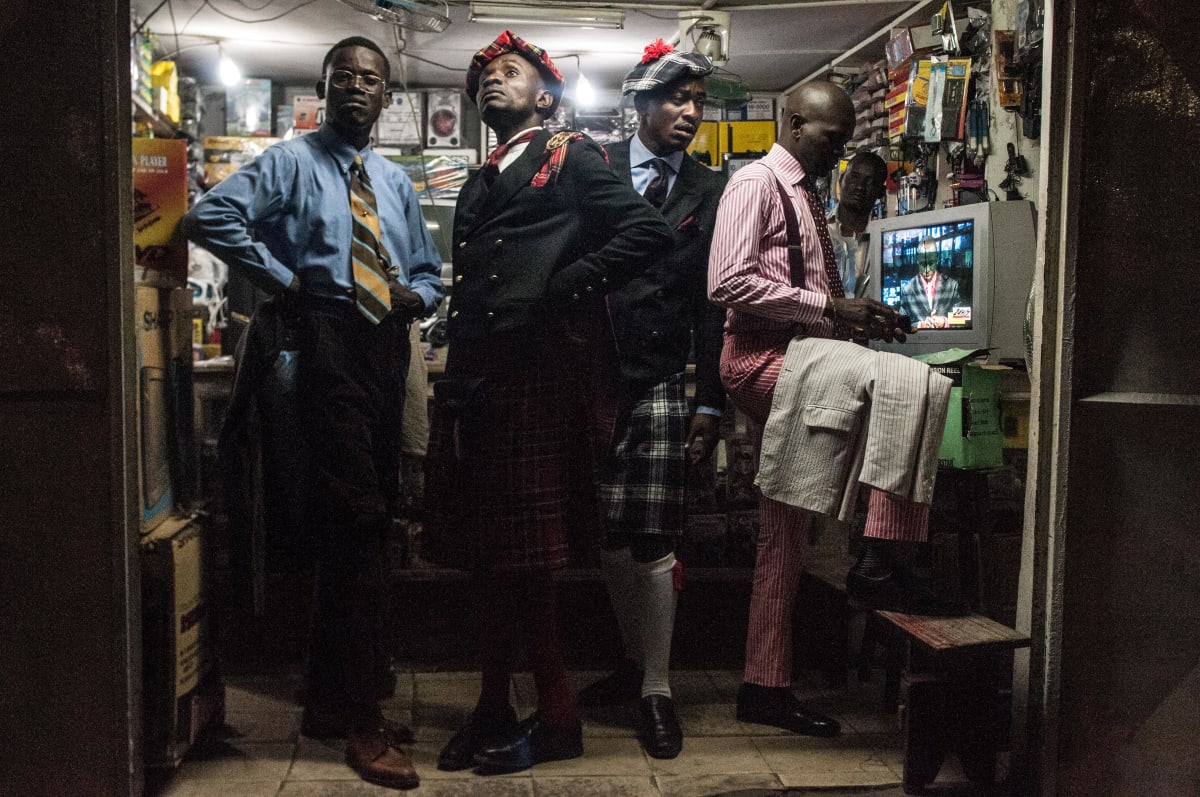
[{"x": 412, "y": 14}]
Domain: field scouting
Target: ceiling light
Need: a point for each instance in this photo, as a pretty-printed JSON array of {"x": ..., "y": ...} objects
[
  {"x": 710, "y": 33},
  {"x": 227, "y": 69},
  {"x": 585, "y": 95},
  {"x": 560, "y": 15},
  {"x": 709, "y": 42}
]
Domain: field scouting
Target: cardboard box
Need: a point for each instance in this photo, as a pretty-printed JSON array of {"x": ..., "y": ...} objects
[
  {"x": 224, "y": 155},
  {"x": 152, "y": 322},
  {"x": 706, "y": 146},
  {"x": 160, "y": 200},
  {"x": 248, "y": 108},
  {"x": 181, "y": 690},
  {"x": 1014, "y": 422},
  {"x": 308, "y": 112},
  {"x": 973, "y": 437},
  {"x": 750, "y": 136},
  {"x": 165, "y": 413}
]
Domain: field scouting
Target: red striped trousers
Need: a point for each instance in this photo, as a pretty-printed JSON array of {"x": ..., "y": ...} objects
[{"x": 750, "y": 367}]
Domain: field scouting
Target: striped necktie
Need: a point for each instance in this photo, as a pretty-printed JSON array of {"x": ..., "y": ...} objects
[
  {"x": 836, "y": 289},
  {"x": 367, "y": 253}
]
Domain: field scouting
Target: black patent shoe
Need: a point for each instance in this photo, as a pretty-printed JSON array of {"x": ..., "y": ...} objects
[
  {"x": 476, "y": 733},
  {"x": 534, "y": 743},
  {"x": 658, "y": 727},
  {"x": 899, "y": 591},
  {"x": 622, "y": 685},
  {"x": 777, "y": 706}
]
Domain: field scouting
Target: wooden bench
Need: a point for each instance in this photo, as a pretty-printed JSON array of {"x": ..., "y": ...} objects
[{"x": 953, "y": 693}]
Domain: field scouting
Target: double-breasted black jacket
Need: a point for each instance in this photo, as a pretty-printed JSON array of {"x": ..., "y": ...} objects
[
  {"x": 524, "y": 254},
  {"x": 660, "y": 312}
]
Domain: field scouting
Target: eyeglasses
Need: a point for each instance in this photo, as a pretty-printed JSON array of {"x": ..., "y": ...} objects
[{"x": 343, "y": 79}]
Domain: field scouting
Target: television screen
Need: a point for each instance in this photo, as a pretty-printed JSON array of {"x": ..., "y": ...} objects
[{"x": 928, "y": 273}]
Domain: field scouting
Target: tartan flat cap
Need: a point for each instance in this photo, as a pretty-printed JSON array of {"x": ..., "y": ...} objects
[
  {"x": 662, "y": 64},
  {"x": 507, "y": 42}
]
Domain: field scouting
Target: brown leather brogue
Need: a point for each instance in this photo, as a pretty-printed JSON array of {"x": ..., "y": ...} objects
[{"x": 372, "y": 754}]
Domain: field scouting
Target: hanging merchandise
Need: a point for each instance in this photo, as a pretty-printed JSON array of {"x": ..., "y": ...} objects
[{"x": 1015, "y": 167}]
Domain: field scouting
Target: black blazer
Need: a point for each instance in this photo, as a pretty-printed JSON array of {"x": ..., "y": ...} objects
[
  {"x": 523, "y": 254},
  {"x": 664, "y": 309}
]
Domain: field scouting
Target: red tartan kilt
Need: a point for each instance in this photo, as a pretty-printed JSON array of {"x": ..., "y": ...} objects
[{"x": 524, "y": 498}]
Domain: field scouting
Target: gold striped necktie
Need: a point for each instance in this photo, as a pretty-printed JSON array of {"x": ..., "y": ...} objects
[{"x": 367, "y": 253}]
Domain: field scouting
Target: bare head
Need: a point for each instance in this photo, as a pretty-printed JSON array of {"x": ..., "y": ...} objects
[{"x": 818, "y": 121}]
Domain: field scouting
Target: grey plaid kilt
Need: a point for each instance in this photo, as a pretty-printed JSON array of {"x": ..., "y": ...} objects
[{"x": 642, "y": 482}]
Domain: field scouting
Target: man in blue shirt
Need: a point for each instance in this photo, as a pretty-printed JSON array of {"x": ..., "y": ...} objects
[{"x": 335, "y": 231}]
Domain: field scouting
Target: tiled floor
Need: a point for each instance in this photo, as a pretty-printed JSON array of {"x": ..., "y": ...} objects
[{"x": 261, "y": 752}]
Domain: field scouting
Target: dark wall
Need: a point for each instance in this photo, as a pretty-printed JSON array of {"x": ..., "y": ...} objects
[
  {"x": 66, "y": 699},
  {"x": 1131, "y": 611}
]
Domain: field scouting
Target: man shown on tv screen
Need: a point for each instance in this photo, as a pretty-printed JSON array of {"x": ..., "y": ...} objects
[{"x": 930, "y": 297}]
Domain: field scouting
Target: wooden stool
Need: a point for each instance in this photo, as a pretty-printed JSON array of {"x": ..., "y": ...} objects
[{"x": 952, "y": 693}]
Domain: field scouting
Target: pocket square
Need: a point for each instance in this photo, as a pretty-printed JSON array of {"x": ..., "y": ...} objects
[{"x": 688, "y": 225}]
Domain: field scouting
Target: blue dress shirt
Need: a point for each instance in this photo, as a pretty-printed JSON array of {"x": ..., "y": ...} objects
[
  {"x": 640, "y": 169},
  {"x": 285, "y": 216}
]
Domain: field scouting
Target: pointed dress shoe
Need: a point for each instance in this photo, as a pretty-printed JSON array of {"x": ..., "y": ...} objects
[
  {"x": 898, "y": 591},
  {"x": 658, "y": 727},
  {"x": 622, "y": 685},
  {"x": 533, "y": 743},
  {"x": 477, "y": 732},
  {"x": 371, "y": 754},
  {"x": 777, "y": 706}
]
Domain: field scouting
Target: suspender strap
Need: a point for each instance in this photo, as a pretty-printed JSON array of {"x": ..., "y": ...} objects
[{"x": 795, "y": 258}]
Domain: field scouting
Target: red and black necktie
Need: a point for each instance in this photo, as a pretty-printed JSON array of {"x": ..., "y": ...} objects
[
  {"x": 491, "y": 167},
  {"x": 836, "y": 290}
]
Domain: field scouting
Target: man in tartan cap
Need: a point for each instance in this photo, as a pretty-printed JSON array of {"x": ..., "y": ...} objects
[
  {"x": 506, "y": 42},
  {"x": 655, "y": 319},
  {"x": 542, "y": 233}
]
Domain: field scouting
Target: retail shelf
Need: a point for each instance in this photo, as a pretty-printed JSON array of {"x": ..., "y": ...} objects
[
  {"x": 142, "y": 112},
  {"x": 1162, "y": 399}
]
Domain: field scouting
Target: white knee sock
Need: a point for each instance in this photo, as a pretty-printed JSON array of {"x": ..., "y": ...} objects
[
  {"x": 618, "y": 568},
  {"x": 656, "y": 597}
]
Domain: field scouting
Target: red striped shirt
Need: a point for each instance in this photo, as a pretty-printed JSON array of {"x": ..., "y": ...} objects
[{"x": 748, "y": 270}]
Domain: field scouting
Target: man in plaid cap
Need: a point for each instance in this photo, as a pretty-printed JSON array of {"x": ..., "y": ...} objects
[
  {"x": 541, "y": 234},
  {"x": 656, "y": 317}
]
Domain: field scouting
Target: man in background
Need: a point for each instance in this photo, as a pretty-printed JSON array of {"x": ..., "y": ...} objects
[
  {"x": 861, "y": 186},
  {"x": 656, "y": 318},
  {"x": 334, "y": 231}
]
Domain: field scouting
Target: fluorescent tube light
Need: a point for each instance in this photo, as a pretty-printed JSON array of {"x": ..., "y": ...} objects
[{"x": 562, "y": 16}]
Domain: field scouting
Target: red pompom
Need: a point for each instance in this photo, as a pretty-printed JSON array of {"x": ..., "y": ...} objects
[{"x": 655, "y": 50}]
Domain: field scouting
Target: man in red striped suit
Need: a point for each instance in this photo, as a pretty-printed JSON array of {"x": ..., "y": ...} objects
[{"x": 772, "y": 266}]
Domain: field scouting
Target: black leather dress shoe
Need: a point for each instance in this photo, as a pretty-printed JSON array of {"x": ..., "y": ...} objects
[
  {"x": 658, "y": 727},
  {"x": 777, "y": 706},
  {"x": 622, "y": 685},
  {"x": 899, "y": 591},
  {"x": 477, "y": 732},
  {"x": 533, "y": 743}
]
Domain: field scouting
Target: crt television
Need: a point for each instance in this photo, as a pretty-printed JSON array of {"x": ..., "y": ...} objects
[{"x": 984, "y": 256}]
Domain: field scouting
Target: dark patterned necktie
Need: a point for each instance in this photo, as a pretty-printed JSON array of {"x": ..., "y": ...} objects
[
  {"x": 368, "y": 256},
  {"x": 836, "y": 290},
  {"x": 656, "y": 189},
  {"x": 491, "y": 167}
]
